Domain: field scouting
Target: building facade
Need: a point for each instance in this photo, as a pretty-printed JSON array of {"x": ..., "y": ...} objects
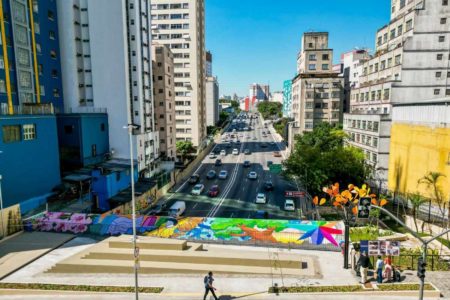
[
  {"x": 164, "y": 98},
  {"x": 112, "y": 73},
  {"x": 30, "y": 69},
  {"x": 276, "y": 97},
  {"x": 180, "y": 25},
  {"x": 352, "y": 66},
  {"x": 317, "y": 91},
  {"x": 261, "y": 92},
  {"x": 287, "y": 98},
  {"x": 208, "y": 64},
  {"x": 410, "y": 64},
  {"x": 212, "y": 101}
]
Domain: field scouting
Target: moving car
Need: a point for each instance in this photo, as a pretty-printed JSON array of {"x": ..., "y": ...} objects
[
  {"x": 156, "y": 209},
  {"x": 273, "y": 143},
  {"x": 212, "y": 155},
  {"x": 246, "y": 151},
  {"x": 211, "y": 174},
  {"x": 261, "y": 214},
  {"x": 177, "y": 209},
  {"x": 223, "y": 152},
  {"x": 235, "y": 151},
  {"x": 268, "y": 186},
  {"x": 223, "y": 174},
  {"x": 252, "y": 175},
  {"x": 214, "y": 191},
  {"x": 277, "y": 154},
  {"x": 194, "y": 179},
  {"x": 289, "y": 205},
  {"x": 218, "y": 162},
  {"x": 197, "y": 189},
  {"x": 246, "y": 164},
  {"x": 260, "y": 198}
]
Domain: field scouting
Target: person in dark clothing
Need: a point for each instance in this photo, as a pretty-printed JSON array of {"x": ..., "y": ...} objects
[
  {"x": 364, "y": 262},
  {"x": 208, "y": 280}
]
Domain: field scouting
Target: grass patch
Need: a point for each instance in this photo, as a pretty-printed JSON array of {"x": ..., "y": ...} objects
[
  {"x": 404, "y": 287},
  {"x": 78, "y": 288},
  {"x": 444, "y": 242}
]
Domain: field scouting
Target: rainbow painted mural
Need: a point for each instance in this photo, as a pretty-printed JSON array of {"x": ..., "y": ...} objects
[{"x": 195, "y": 228}]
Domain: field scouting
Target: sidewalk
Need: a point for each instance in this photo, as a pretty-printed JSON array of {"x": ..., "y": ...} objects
[{"x": 23, "y": 248}]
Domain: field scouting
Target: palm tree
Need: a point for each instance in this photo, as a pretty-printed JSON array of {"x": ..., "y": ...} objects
[
  {"x": 416, "y": 200},
  {"x": 431, "y": 180}
]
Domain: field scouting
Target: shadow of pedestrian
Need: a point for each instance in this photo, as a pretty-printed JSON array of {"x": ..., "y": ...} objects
[{"x": 229, "y": 297}]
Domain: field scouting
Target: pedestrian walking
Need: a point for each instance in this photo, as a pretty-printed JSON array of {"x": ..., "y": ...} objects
[
  {"x": 379, "y": 268},
  {"x": 208, "y": 281},
  {"x": 364, "y": 263}
]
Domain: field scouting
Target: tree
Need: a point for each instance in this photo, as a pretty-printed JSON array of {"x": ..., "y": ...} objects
[
  {"x": 319, "y": 159},
  {"x": 185, "y": 148},
  {"x": 269, "y": 109},
  {"x": 416, "y": 200},
  {"x": 432, "y": 182}
]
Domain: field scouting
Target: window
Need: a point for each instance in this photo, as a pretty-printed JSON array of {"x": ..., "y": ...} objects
[
  {"x": 375, "y": 142},
  {"x": 439, "y": 56},
  {"x": 402, "y": 3},
  {"x": 52, "y": 54},
  {"x": 35, "y": 6},
  {"x": 443, "y": 20},
  {"x": 51, "y": 34},
  {"x": 444, "y": 2},
  {"x": 325, "y": 57},
  {"x": 50, "y": 15},
  {"x": 400, "y": 30},
  {"x": 55, "y": 73},
  {"x": 392, "y": 33},
  {"x": 441, "y": 38},
  {"x": 408, "y": 25},
  {"x": 389, "y": 62},
  {"x": 438, "y": 74},
  {"x": 325, "y": 67},
  {"x": 437, "y": 91},
  {"x": 56, "y": 93},
  {"x": 312, "y": 67},
  {"x": 398, "y": 59},
  {"x": 379, "y": 40},
  {"x": 11, "y": 133},
  {"x": 312, "y": 57},
  {"x": 2, "y": 86},
  {"x": 29, "y": 132},
  {"x": 386, "y": 94},
  {"x": 376, "y": 67},
  {"x": 447, "y": 92}
]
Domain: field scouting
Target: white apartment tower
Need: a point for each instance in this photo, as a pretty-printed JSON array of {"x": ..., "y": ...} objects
[
  {"x": 180, "y": 24},
  {"x": 106, "y": 65},
  {"x": 410, "y": 64}
]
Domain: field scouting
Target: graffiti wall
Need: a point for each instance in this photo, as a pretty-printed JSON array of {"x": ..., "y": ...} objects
[{"x": 191, "y": 228}]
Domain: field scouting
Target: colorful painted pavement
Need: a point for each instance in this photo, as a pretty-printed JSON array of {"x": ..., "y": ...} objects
[{"x": 191, "y": 228}]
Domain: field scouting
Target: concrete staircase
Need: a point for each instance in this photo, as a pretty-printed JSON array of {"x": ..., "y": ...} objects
[{"x": 165, "y": 256}]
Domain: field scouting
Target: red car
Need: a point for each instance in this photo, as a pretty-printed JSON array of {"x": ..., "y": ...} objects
[{"x": 214, "y": 191}]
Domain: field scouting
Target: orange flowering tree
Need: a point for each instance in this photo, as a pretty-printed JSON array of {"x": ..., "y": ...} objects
[{"x": 347, "y": 202}]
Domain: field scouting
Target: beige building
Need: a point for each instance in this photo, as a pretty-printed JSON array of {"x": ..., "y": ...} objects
[
  {"x": 164, "y": 99},
  {"x": 180, "y": 24},
  {"x": 410, "y": 64},
  {"x": 317, "y": 91}
]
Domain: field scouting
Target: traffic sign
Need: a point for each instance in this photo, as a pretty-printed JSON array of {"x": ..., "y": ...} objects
[{"x": 294, "y": 194}]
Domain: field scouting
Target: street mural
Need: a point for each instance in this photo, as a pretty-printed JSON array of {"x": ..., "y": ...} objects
[{"x": 194, "y": 228}]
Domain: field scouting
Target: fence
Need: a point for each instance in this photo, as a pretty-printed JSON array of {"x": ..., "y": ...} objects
[{"x": 409, "y": 262}]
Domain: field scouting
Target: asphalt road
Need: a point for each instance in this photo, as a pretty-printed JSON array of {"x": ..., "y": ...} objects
[{"x": 238, "y": 193}]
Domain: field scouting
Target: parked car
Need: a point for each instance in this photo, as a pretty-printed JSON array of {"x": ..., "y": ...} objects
[
  {"x": 194, "y": 179},
  {"x": 235, "y": 151},
  {"x": 260, "y": 198},
  {"x": 212, "y": 155},
  {"x": 157, "y": 209},
  {"x": 223, "y": 174},
  {"x": 223, "y": 152},
  {"x": 247, "y": 164},
  {"x": 252, "y": 175},
  {"x": 268, "y": 186},
  {"x": 211, "y": 174},
  {"x": 177, "y": 209},
  {"x": 218, "y": 162},
  {"x": 197, "y": 189},
  {"x": 289, "y": 205},
  {"x": 214, "y": 191}
]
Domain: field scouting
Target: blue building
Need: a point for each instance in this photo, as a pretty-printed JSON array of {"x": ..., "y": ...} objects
[
  {"x": 83, "y": 139},
  {"x": 287, "y": 98},
  {"x": 30, "y": 69},
  {"x": 29, "y": 162}
]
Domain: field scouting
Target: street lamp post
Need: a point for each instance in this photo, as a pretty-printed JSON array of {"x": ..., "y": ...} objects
[{"x": 130, "y": 128}]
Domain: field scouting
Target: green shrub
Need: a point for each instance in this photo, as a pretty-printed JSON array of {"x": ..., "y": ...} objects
[
  {"x": 80, "y": 288},
  {"x": 404, "y": 287}
]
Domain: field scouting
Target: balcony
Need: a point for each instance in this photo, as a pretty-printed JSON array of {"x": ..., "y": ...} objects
[{"x": 28, "y": 109}]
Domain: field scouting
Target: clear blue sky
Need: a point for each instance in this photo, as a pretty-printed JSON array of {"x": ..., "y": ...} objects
[{"x": 258, "y": 40}]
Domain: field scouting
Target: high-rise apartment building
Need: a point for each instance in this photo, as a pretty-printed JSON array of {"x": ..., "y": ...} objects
[
  {"x": 180, "y": 24},
  {"x": 106, "y": 65},
  {"x": 352, "y": 66},
  {"x": 410, "y": 64},
  {"x": 30, "y": 69},
  {"x": 260, "y": 92},
  {"x": 208, "y": 64},
  {"x": 164, "y": 99},
  {"x": 212, "y": 101},
  {"x": 317, "y": 91}
]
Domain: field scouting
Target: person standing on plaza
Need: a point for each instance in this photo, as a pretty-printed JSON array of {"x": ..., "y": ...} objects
[
  {"x": 364, "y": 263},
  {"x": 208, "y": 281},
  {"x": 379, "y": 268},
  {"x": 388, "y": 269}
]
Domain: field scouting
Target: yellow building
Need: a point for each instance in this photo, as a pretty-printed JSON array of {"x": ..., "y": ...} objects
[{"x": 418, "y": 147}]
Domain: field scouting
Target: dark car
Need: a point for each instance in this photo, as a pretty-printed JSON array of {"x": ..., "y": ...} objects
[
  {"x": 211, "y": 174},
  {"x": 194, "y": 179},
  {"x": 261, "y": 214},
  {"x": 218, "y": 162},
  {"x": 268, "y": 186},
  {"x": 246, "y": 164},
  {"x": 214, "y": 191},
  {"x": 263, "y": 145},
  {"x": 157, "y": 209}
]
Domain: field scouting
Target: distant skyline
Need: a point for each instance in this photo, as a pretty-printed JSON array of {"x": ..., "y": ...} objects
[{"x": 258, "y": 41}]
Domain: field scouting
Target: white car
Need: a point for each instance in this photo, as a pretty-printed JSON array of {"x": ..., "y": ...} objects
[
  {"x": 223, "y": 174},
  {"x": 235, "y": 151},
  {"x": 223, "y": 152},
  {"x": 212, "y": 155},
  {"x": 198, "y": 189},
  {"x": 289, "y": 205},
  {"x": 252, "y": 175},
  {"x": 260, "y": 198}
]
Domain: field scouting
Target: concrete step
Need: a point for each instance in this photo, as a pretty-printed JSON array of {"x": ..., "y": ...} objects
[{"x": 125, "y": 241}]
